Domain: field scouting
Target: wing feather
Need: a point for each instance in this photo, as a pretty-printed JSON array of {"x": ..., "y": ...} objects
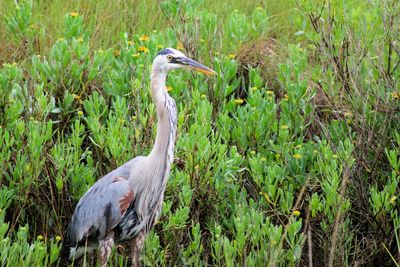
[{"x": 99, "y": 210}]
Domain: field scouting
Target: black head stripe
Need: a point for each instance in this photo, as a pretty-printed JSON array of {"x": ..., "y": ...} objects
[
  {"x": 175, "y": 60},
  {"x": 165, "y": 51}
]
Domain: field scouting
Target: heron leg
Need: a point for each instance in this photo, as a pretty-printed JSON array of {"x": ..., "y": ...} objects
[
  {"x": 136, "y": 248},
  {"x": 105, "y": 248}
]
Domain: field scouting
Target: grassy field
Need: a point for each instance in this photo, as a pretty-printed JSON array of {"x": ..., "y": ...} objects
[
  {"x": 106, "y": 20},
  {"x": 290, "y": 156}
]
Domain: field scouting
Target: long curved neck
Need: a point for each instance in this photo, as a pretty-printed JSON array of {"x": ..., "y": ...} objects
[{"x": 163, "y": 149}]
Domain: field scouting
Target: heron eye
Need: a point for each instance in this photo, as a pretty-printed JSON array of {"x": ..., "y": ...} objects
[{"x": 169, "y": 57}]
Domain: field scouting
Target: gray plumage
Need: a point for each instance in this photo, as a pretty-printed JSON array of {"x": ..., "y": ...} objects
[{"x": 124, "y": 204}]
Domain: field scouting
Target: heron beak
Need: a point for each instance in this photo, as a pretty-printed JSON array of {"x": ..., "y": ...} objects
[{"x": 194, "y": 65}]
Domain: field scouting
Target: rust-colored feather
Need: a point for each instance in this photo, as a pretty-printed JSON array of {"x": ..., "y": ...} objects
[{"x": 125, "y": 201}]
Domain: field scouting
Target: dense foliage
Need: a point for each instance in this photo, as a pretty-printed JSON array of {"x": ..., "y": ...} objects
[{"x": 290, "y": 156}]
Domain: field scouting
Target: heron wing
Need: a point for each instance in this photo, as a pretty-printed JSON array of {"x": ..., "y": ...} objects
[{"x": 100, "y": 209}]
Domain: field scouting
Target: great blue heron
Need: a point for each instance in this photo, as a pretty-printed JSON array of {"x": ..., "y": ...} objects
[{"x": 124, "y": 204}]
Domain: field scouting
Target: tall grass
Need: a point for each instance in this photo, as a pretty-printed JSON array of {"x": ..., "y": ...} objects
[{"x": 107, "y": 19}]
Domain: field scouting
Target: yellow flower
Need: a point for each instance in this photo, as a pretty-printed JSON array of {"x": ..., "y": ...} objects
[
  {"x": 40, "y": 237},
  {"x": 203, "y": 96},
  {"x": 259, "y": 8},
  {"x": 130, "y": 42},
  {"x": 143, "y": 49},
  {"x": 269, "y": 92},
  {"x": 136, "y": 55},
  {"x": 297, "y": 156},
  {"x": 180, "y": 46},
  {"x": 58, "y": 238},
  {"x": 80, "y": 113},
  {"x": 239, "y": 101},
  {"x": 254, "y": 88},
  {"x": 296, "y": 213},
  {"x": 396, "y": 95},
  {"x": 117, "y": 53},
  {"x": 168, "y": 88},
  {"x": 77, "y": 97},
  {"x": 74, "y": 14},
  {"x": 144, "y": 38},
  {"x": 160, "y": 46},
  {"x": 231, "y": 56},
  {"x": 284, "y": 127},
  {"x": 286, "y": 96},
  {"x": 393, "y": 200},
  {"x": 263, "y": 159}
]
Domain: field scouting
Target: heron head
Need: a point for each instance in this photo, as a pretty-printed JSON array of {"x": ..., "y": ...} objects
[{"x": 169, "y": 59}]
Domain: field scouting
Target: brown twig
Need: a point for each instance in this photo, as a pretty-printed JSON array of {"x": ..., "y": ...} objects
[
  {"x": 309, "y": 241},
  {"x": 295, "y": 207},
  {"x": 338, "y": 217}
]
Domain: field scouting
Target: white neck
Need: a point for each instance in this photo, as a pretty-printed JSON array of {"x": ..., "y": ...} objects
[
  {"x": 163, "y": 148},
  {"x": 150, "y": 179}
]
